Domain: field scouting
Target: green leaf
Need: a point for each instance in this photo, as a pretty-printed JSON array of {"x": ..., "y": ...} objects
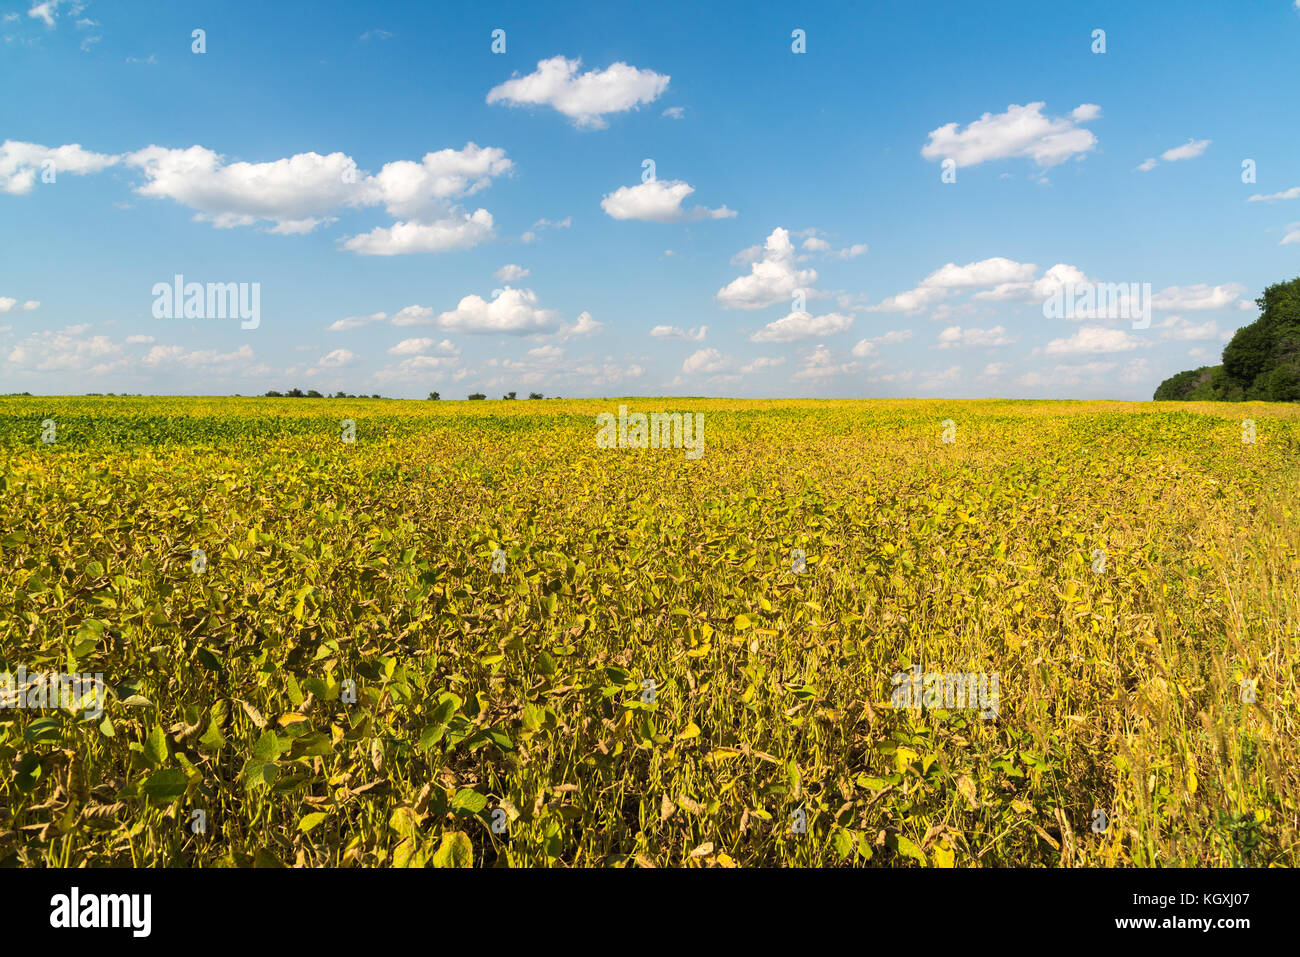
[
  {"x": 469, "y": 800},
  {"x": 454, "y": 851},
  {"x": 155, "y": 748},
  {"x": 164, "y": 787},
  {"x": 310, "y": 820}
]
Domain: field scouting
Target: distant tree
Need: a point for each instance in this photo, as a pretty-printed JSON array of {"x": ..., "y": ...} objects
[
  {"x": 376, "y": 396},
  {"x": 508, "y": 395},
  {"x": 272, "y": 394},
  {"x": 313, "y": 394},
  {"x": 433, "y": 396},
  {"x": 295, "y": 393},
  {"x": 536, "y": 395},
  {"x": 341, "y": 394},
  {"x": 477, "y": 396}
]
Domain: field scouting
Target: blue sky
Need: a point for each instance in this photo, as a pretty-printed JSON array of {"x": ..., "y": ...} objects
[{"x": 386, "y": 178}]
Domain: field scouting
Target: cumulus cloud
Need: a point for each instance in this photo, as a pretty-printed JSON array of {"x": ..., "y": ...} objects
[
  {"x": 1092, "y": 339},
  {"x": 705, "y": 360},
  {"x": 459, "y": 230},
  {"x": 69, "y": 349},
  {"x": 1292, "y": 236},
  {"x": 21, "y": 163},
  {"x": 773, "y": 277},
  {"x": 676, "y": 332},
  {"x": 821, "y": 364},
  {"x": 1054, "y": 280},
  {"x": 199, "y": 360},
  {"x": 1199, "y": 296},
  {"x": 762, "y": 364},
  {"x": 955, "y": 337},
  {"x": 419, "y": 190},
  {"x": 356, "y": 322},
  {"x": 1022, "y": 131},
  {"x": 413, "y": 347},
  {"x": 870, "y": 346},
  {"x": 802, "y": 325},
  {"x": 511, "y": 273},
  {"x": 1184, "y": 330},
  {"x": 1292, "y": 193},
  {"x": 1189, "y": 150},
  {"x": 300, "y": 193},
  {"x": 585, "y": 98},
  {"x": 934, "y": 288},
  {"x": 658, "y": 201},
  {"x": 511, "y": 312},
  {"x": 7, "y": 303},
  {"x": 581, "y": 328}
]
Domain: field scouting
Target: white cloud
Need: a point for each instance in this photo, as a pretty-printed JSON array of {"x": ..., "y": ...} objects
[
  {"x": 420, "y": 190},
  {"x": 68, "y": 350},
  {"x": 1189, "y": 150},
  {"x": 1292, "y": 193},
  {"x": 511, "y": 312},
  {"x": 1184, "y": 330},
  {"x": 1199, "y": 296},
  {"x": 935, "y": 287},
  {"x": 584, "y": 98},
  {"x": 458, "y": 231},
  {"x": 411, "y": 347},
  {"x": 816, "y": 245},
  {"x": 335, "y": 359},
  {"x": 1022, "y": 131},
  {"x": 299, "y": 190},
  {"x": 994, "y": 370},
  {"x": 45, "y": 12},
  {"x": 20, "y": 163},
  {"x": 541, "y": 224},
  {"x": 658, "y": 201},
  {"x": 1092, "y": 339},
  {"x": 299, "y": 193},
  {"x": 676, "y": 332},
  {"x": 414, "y": 316},
  {"x": 852, "y": 252},
  {"x": 1293, "y": 236},
  {"x": 581, "y": 328},
  {"x": 675, "y": 112},
  {"x": 955, "y": 337},
  {"x": 820, "y": 364},
  {"x": 511, "y": 273},
  {"x": 199, "y": 360},
  {"x": 1052, "y": 281},
  {"x": 356, "y": 322},
  {"x": 773, "y": 278},
  {"x": 762, "y": 364},
  {"x": 802, "y": 325},
  {"x": 7, "y": 303},
  {"x": 869, "y": 347},
  {"x": 705, "y": 360}
]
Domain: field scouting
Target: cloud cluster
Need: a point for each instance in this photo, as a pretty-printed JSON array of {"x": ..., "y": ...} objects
[
  {"x": 774, "y": 276},
  {"x": 658, "y": 201},
  {"x": 299, "y": 193},
  {"x": 585, "y": 98},
  {"x": 1022, "y": 131}
]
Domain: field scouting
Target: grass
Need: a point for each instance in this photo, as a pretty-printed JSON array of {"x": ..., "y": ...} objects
[{"x": 649, "y": 680}]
